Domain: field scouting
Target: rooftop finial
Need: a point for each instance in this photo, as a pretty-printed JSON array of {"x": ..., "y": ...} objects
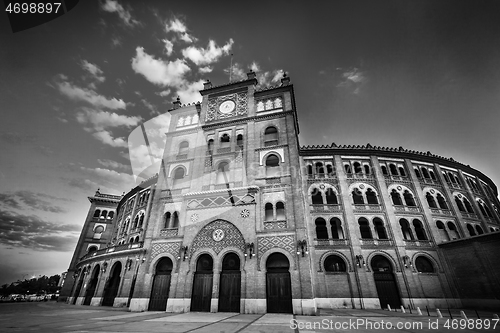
[{"x": 285, "y": 80}]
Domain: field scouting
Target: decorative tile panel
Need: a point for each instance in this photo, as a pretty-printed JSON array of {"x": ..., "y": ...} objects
[
  {"x": 172, "y": 248},
  {"x": 286, "y": 243},
  {"x": 166, "y": 233},
  {"x": 204, "y": 239},
  {"x": 240, "y": 100}
]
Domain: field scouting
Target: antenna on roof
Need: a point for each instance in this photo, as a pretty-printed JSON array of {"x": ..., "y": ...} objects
[{"x": 231, "y": 69}]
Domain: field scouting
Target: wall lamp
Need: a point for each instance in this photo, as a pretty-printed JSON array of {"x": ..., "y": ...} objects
[
  {"x": 360, "y": 260},
  {"x": 302, "y": 247},
  {"x": 128, "y": 265},
  {"x": 250, "y": 249},
  {"x": 407, "y": 261},
  {"x": 104, "y": 267},
  {"x": 183, "y": 253}
]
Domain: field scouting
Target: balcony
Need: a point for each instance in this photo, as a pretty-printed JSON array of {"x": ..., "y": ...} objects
[
  {"x": 325, "y": 208},
  {"x": 331, "y": 242},
  {"x": 113, "y": 249},
  {"x": 469, "y": 215},
  {"x": 367, "y": 207},
  {"x": 418, "y": 243},
  {"x": 455, "y": 185},
  {"x": 391, "y": 178},
  {"x": 376, "y": 242},
  {"x": 359, "y": 176},
  {"x": 429, "y": 181},
  {"x": 407, "y": 209},
  {"x": 437, "y": 211}
]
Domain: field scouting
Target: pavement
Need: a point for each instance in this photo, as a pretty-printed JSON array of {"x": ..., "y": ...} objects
[{"x": 61, "y": 317}]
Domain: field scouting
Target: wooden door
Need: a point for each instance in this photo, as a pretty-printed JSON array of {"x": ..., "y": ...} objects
[
  {"x": 159, "y": 292},
  {"x": 230, "y": 291},
  {"x": 78, "y": 289},
  {"x": 111, "y": 289},
  {"x": 92, "y": 286},
  {"x": 279, "y": 292},
  {"x": 387, "y": 289},
  {"x": 202, "y": 292}
]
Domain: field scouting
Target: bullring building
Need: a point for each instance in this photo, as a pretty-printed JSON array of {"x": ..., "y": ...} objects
[{"x": 238, "y": 217}]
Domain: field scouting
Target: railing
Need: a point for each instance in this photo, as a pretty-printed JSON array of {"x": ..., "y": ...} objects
[
  {"x": 455, "y": 185},
  {"x": 469, "y": 215},
  {"x": 429, "y": 181},
  {"x": 418, "y": 243},
  {"x": 396, "y": 178},
  {"x": 438, "y": 211},
  {"x": 359, "y": 176},
  {"x": 377, "y": 242},
  {"x": 331, "y": 242},
  {"x": 322, "y": 176},
  {"x": 274, "y": 180},
  {"x": 367, "y": 207},
  {"x": 113, "y": 249},
  {"x": 411, "y": 209},
  {"x": 325, "y": 208}
]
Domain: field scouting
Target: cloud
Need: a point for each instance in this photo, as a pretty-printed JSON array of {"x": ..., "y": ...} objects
[
  {"x": 190, "y": 92},
  {"x": 103, "y": 119},
  {"x": 30, "y": 231},
  {"x": 352, "y": 79},
  {"x": 237, "y": 72},
  {"x": 113, "y": 6},
  {"x": 116, "y": 41},
  {"x": 211, "y": 54},
  {"x": 169, "y": 46},
  {"x": 159, "y": 72},
  {"x": 30, "y": 200},
  {"x": 106, "y": 138},
  {"x": 110, "y": 179},
  {"x": 95, "y": 72},
  {"x": 266, "y": 78},
  {"x": 150, "y": 106},
  {"x": 114, "y": 165},
  {"x": 163, "y": 93},
  {"x": 179, "y": 28},
  {"x": 206, "y": 69},
  {"x": 89, "y": 96},
  {"x": 17, "y": 138}
]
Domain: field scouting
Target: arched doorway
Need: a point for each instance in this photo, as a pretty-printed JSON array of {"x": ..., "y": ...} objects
[
  {"x": 202, "y": 284},
  {"x": 279, "y": 285},
  {"x": 385, "y": 282},
  {"x": 111, "y": 289},
  {"x": 161, "y": 285},
  {"x": 92, "y": 285},
  {"x": 79, "y": 286},
  {"x": 230, "y": 284}
]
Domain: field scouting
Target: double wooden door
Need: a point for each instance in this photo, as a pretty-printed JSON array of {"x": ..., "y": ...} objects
[
  {"x": 279, "y": 292},
  {"x": 387, "y": 289},
  {"x": 230, "y": 291},
  {"x": 202, "y": 292},
  {"x": 159, "y": 292}
]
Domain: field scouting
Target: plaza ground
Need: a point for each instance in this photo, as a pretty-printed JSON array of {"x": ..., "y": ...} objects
[{"x": 60, "y": 317}]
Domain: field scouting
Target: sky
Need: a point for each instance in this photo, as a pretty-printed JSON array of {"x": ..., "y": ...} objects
[{"x": 423, "y": 74}]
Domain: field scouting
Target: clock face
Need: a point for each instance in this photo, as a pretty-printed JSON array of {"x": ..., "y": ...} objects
[{"x": 227, "y": 107}]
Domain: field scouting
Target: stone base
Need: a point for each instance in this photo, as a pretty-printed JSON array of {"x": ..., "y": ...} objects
[
  {"x": 178, "y": 305},
  {"x": 433, "y": 303},
  {"x": 96, "y": 301},
  {"x": 120, "y": 302},
  {"x": 337, "y": 303},
  {"x": 253, "y": 306},
  {"x": 139, "y": 304}
]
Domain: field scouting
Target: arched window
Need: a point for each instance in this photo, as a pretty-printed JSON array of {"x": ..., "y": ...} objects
[
  {"x": 104, "y": 213},
  {"x": 331, "y": 198},
  {"x": 442, "y": 231},
  {"x": 136, "y": 222},
  {"x": 364, "y": 228},
  {"x": 430, "y": 200},
  {"x": 446, "y": 177},
  {"x": 371, "y": 197},
  {"x": 317, "y": 198},
  {"x": 183, "y": 148},
  {"x": 367, "y": 169},
  {"x": 175, "y": 220},
  {"x": 131, "y": 240},
  {"x": 178, "y": 174},
  {"x": 321, "y": 231},
  {"x": 481, "y": 208},
  {"x": 271, "y": 136},
  {"x": 92, "y": 249},
  {"x": 472, "y": 232},
  {"x": 310, "y": 170},
  {"x": 488, "y": 211},
  {"x": 405, "y": 229},
  {"x": 348, "y": 169},
  {"x": 425, "y": 173},
  {"x": 468, "y": 206},
  {"x": 269, "y": 213},
  {"x": 280, "y": 211},
  {"x": 329, "y": 169},
  {"x": 433, "y": 176},
  {"x": 357, "y": 197},
  {"x": 210, "y": 145},
  {"x": 141, "y": 220},
  {"x": 417, "y": 173},
  {"x": 137, "y": 239},
  {"x": 379, "y": 228},
  {"x": 320, "y": 170},
  {"x": 225, "y": 140},
  {"x": 451, "y": 177},
  {"x": 419, "y": 230},
  {"x": 384, "y": 170},
  {"x": 396, "y": 198},
  {"x": 394, "y": 170},
  {"x": 222, "y": 173},
  {"x": 424, "y": 265},
  {"x": 479, "y": 230},
  {"x": 441, "y": 202},
  {"x": 110, "y": 215},
  {"x": 357, "y": 168},
  {"x": 336, "y": 228},
  {"x": 272, "y": 165},
  {"x": 334, "y": 263},
  {"x": 460, "y": 205},
  {"x": 97, "y": 213},
  {"x": 409, "y": 200},
  {"x": 239, "y": 140},
  {"x": 402, "y": 171},
  {"x": 166, "y": 220},
  {"x": 453, "y": 230}
]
